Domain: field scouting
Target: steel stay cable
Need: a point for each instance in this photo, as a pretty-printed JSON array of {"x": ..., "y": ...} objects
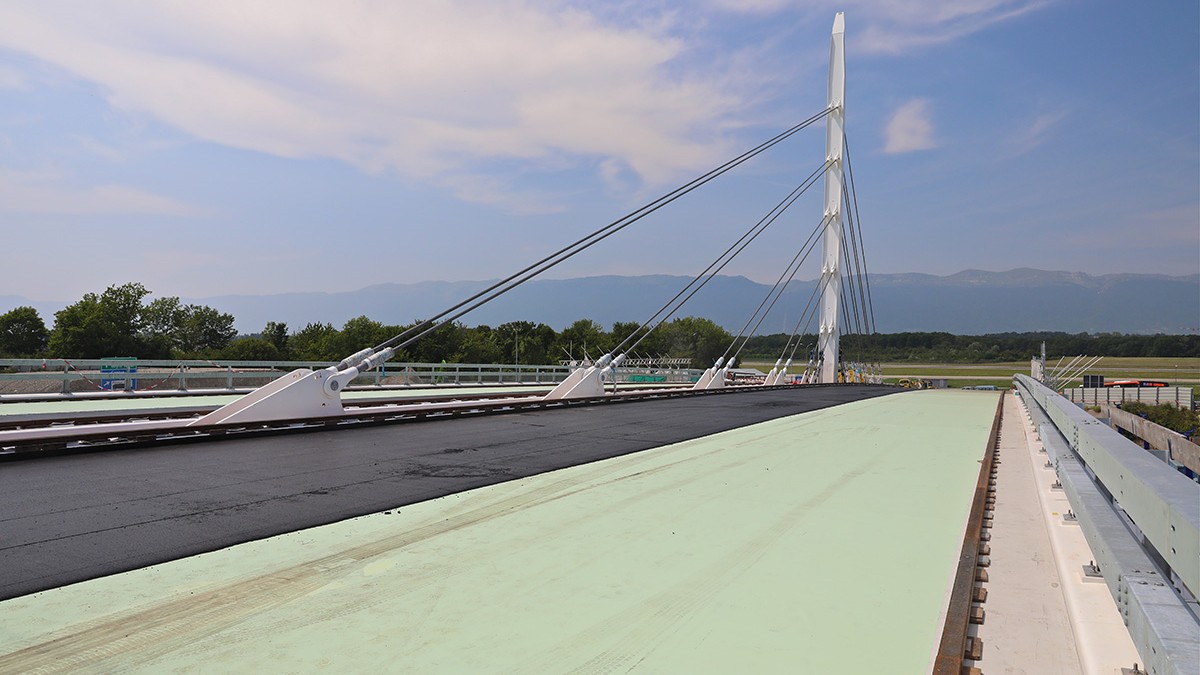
[
  {"x": 859, "y": 260},
  {"x": 855, "y": 263},
  {"x": 770, "y": 306},
  {"x": 856, "y": 229},
  {"x": 847, "y": 321},
  {"x": 820, "y": 227},
  {"x": 794, "y": 267},
  {"x": 858, "y": 314},
  {"x": 820, "y": 346},
  {"x": 807, "y": 306},
  {"x": 853, "y": 276},
  {"x": 852, "y": 319},
  {"x": 530, "y": 271},
  {"x": 820, "y": 287},
  {"x": 817, "y": 337},
  {"x": 811, "y": 238},
  {"x": 858, "y": 221},
  {"x": 434, "y": 326},
  {"x": 857, "y": 285},
  {"x": 848, "y": 288},
  {"x": 761, "y": 226},
  {"x": 822, "y": 283}
]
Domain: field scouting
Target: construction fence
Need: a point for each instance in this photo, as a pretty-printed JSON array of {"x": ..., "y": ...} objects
[{"x": 1181, "y": 397}]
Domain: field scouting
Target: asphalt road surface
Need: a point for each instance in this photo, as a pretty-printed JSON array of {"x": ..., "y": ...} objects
[{"x": 71, "y": 518}]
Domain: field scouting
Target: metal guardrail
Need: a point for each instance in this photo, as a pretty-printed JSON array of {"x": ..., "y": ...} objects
[
  {"x": 1141, "y": 518},
  {"x": 169, "y": 374}
]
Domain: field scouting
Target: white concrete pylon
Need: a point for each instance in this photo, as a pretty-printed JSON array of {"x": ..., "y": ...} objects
[
  {"x": 301, "y": 394},
  {"x": 718, "y": 378},
  {"x": 831, "y": 277},
  {"x": 708, "y": 375},
  {"x": 771, "y": 376},
  {"x": 585, "y": 382}
]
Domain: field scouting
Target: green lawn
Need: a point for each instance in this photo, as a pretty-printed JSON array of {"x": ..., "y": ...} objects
[{"x": 1177, "y": 371}]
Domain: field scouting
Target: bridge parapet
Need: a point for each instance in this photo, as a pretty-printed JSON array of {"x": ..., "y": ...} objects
[{"x": 1141, "y": 519}]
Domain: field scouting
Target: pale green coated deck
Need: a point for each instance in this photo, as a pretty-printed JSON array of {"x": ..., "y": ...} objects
[{"x": 820, "y": 543}]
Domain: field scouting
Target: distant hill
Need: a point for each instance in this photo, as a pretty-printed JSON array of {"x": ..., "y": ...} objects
[{"x": 967, "y": 303}]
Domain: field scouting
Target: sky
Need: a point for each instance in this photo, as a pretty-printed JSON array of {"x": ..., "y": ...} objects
[{"x": 272, "y": 146}]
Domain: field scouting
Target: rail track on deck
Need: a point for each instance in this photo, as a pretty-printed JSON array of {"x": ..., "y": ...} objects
[{"x": 188, "y": 412}]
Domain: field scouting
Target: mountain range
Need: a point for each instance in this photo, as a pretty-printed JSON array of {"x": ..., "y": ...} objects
[{"x": 971, "y": 302}]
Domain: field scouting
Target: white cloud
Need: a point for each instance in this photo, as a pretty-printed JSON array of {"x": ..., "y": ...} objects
[
  {"x": 909, "y": 128},
  {"x": 753, "y": 6},
  {"x": 423, "y": 88},
  {"x": 1034, "y": 135},
  {"x": 11, "y": 78},
  {"x": 895, "y": 26},
  {"x": 45, "y": 192},
  {"x": 903, "y": 26},
  {"x": 99, "y": 149}
]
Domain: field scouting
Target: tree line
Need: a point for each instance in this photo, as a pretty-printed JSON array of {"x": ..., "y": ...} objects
[
  {"x": 119, "y": 322},
  {"x": 948, "y": 348}
]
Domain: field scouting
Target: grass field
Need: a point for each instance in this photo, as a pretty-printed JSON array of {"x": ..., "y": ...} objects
[{"x": 1176, "y": 371}]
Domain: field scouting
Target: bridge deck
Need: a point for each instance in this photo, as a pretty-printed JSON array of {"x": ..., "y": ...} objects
[
  {"x": 67, "y": 519},
  {"x": 823, "y": 541}
]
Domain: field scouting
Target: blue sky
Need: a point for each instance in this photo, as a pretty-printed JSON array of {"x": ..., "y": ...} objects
[{"x": 275, "y": 146}]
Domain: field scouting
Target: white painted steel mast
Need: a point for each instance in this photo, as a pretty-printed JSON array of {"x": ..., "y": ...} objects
[{"x": 831, "y": 266}]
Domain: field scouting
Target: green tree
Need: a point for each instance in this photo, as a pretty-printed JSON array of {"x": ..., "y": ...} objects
[
  {"x": 160, "y": 321},
  {"x": 480, "y": 345},
  {"x": 22, "y": 333},
  {"x": 650, "y": 342},
  {"x": 537, "y": 343},
  {"x": 250, "y": 349},
  {"x": 170, "y": 328},
  {"x": 315, "y": 342},
  {"x": 98, "y": 326},
  {"x": 359, "y": 333},
  {"x": 701, "y": 339},
  {"x": 441, "y": 344},
  {"x": 204, "y": 329},
  {"x": 584, "y": 339},
  {"x": 117, "y": 323},
  {"x": 77, "y": 330},
  {"x": 277, "y": 334}
]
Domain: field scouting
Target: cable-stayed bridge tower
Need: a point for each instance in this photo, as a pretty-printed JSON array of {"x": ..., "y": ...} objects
[
  {"x": 831, "y": 265},
  {"x": 305, "y": 393}
]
